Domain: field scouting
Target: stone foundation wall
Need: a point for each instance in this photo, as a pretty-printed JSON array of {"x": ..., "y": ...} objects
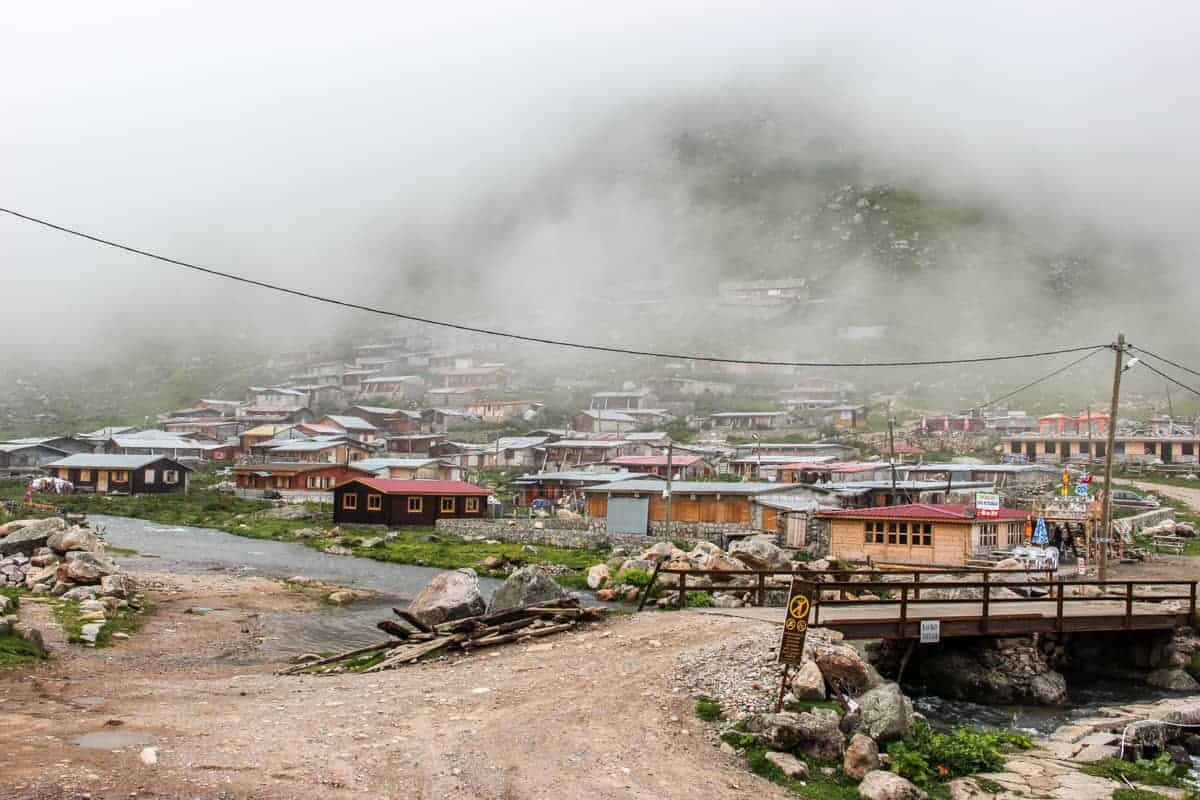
[
  {"x": 1131, "y": 525},
  {"x": 552, "y": 533}
]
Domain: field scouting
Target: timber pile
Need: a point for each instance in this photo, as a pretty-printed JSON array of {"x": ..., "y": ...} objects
[{"x": 414, "y": 639}]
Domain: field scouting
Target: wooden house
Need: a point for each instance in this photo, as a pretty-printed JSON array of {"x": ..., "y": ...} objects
[
  {"x": 593, "y": 421},
  {"x": 296, "y": 476},
  {"x": 501, "y": 410},
  {"x": 397, "y": 387},
  {"x": 749, "y": 420},
  {"x": 413, "y": 443},
  {"x": 683, "y": 466},
  {"x": 121, "y": 474},
  {"x": 920, "y": 533},
  {"x": 396, "y": 503},
  {"x": 554, "y": 486},
  {"x": 417, "y": 468},
  {"x": 18, "y": 455},
  {"x": 486, "y": 376},
  {"x": 403, "y": 421},
  {"x": 353, "y": 427},
  {"x": 319, "y": 451},
  {"x": 632, "y": 506},
  {"x": 622, "y": 401},
  {"x": 376, "y": 415}
]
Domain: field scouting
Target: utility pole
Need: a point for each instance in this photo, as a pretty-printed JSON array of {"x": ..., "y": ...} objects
[
  {"x": 667, "y": 492},
  {"x": 892, "y": 450},
  {"x": 1106, "y": 514}
]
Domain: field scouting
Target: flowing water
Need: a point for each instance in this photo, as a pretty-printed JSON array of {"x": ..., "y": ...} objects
[{"x": 185, "y": 549}]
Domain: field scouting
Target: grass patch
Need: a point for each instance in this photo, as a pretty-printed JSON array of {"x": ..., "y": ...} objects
[
  {"x": 800, "y": 706},
  {"x": 121, "y": 551},
  {"x": 14, "y": 596},
  {"x": 1160, "y": 771},
  {"x": 124, "y": 620},
  {"x": 817, "y": 786},
  {"x": 989, "y": 786},
  {"x": 1125, "y": 793},
  {"x": 699, "y": 600},
  {"x": 15, "y": 651},
  {"x": 928, "y": 758},
  {"x": 709, "y": 709}
]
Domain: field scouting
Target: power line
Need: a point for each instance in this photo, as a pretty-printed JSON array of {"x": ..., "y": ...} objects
[
  {"x": 1031, "y": 384},
  {"x": 1165, "y": 360},
  {"x": 1169, "y": 378},
  {"x": 536, "y": 339}
]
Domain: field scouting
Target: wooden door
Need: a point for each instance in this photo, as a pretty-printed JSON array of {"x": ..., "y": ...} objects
[{"x": 102, "y": 480}]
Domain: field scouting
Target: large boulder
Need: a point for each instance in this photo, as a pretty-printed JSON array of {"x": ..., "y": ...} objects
[
  {"x": 74, "y": 539},
  {"x": 862, "y": 756},
  {"x": 809, "y": 683},
  {"x": 449, "y": 596},
  {"x": 121, "y": 586},
  {"x": 886, "y": 714},
  {"x": 788, "y": 764},
  {"x": 722, "y": 562},
  {"x": 597, "y": 576},
  {"x": 29, "y": 537},
  {"x": 1173, "y": 680},
  {"x": 525, "y": 587},
  {"x": 880, "y": 785},
  {"x": 758, "y": 552},
  {"x": 660, "y": 551},
  {"x": 842, "y": 666},
  {"x": 84, "y": 567},
  {"x": 814, "y": 733}
]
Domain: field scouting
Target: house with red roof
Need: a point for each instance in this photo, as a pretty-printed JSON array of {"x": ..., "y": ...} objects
[
  {"x": 395, "y": 503},
  {"x": 921, "y": 533},
  {"x": 685, "y": 467}
]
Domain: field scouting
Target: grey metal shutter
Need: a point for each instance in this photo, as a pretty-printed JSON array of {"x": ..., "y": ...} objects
[{"x": 628, "y": 514}]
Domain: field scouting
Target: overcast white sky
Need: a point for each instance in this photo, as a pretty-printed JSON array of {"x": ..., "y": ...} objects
[{"x": 282, "y": 139}]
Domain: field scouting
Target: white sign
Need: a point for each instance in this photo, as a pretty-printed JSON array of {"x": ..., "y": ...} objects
[
  {"x": 931, "y": 631},
  {"x": 1081, "y": 568},
  {"x": 987, "y": 504}
]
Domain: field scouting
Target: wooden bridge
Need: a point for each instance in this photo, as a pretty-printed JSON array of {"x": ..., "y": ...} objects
[{"x": 1031, "y": 604}]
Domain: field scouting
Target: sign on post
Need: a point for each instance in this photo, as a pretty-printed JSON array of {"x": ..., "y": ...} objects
[
  {"x": 931, "y": 631},
  {"x": 987, "y": 505},
  {"x": 795, "y": 624}
]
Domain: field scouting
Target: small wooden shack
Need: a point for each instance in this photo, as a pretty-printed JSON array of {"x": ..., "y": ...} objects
[
  {"x": 921, "y": 533},
  {"x": 121, "y": 474},
  {"x": 394, "y": 503}
]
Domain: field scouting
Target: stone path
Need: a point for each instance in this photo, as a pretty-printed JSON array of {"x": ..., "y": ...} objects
[{"x": 35, "y": 611}]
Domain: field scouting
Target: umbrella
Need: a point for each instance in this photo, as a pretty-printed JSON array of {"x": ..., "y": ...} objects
[{"x": 1040, "y": 536}]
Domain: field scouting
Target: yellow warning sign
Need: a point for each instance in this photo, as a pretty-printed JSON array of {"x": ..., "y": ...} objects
[{"x": 795, "y": 625}]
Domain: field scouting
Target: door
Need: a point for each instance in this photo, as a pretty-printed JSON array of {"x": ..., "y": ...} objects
[
  {"x": 102, "y": 480},
  {"x": 1166, "y": 452},
  {"x": 628, "y": 514},
  {"x": 1031, "y": 451}
]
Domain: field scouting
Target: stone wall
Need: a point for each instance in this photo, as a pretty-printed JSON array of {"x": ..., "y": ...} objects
[
  {"x": 1131, "y": 525},
  {"x": 552, "y": 533}
]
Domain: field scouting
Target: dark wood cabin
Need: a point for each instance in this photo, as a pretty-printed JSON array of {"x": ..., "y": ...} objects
[
  {"x": 395, "y": 503},
  {"x": 121, "y": 474}
]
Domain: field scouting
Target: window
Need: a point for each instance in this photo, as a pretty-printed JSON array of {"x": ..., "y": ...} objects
[
  {"x": 170, "y": 476},
  {"x": 926, "y": 535},
  {"x": 447, "y": 505},
  {"x": 85, "y": 475},
  {"x": 327, "y": 482},
  {"x": 349, "y": 502},
  {"x": 1085, "y": 448},
  {"x": 1189, "y": 449},
  {"x": 64, "y": 473},
  {"x": 1100, "y": 448},
  {"x": 869, "y": 534},
  {"x": 1015, "y": 447},
  {"x": 891, "y": 530},
  {"x": 374, "y": 502},
  {"x": 311, "y": 482},
  {"x": 903, "y": 539},
  {"x": 987, "y": 535},
  {"x": 1051, "y": 447},
  {"x": 472, "y": 505},
  {"x": 1118, "y": 448},
  {"x": 1066, "y": 449},
  {"x": 1014, "y": 533},
  {"x": 415, "y": 505},
  {"x": 120, "y": 476},
  {"x": 149, "y": 476}
]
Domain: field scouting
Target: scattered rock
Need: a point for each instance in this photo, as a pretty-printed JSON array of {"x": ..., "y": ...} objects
[
  {"x": 449, "y": 596},
  {"x": 1173, "y": 680},
  {"x": 862, "y": 756},
  {"x": 85, "y": 567},
  {"x": 90, "y": 631},
  {"x": 30, "y": 536},
  {"x": 808, "y": 682},
  {"x": 606, "y": 595},
  {"x": 341, "y": 597},
  {"x": 880, "y": 785},
  {"x": 815, "y": 733},
  {"x": 527, "y": 586},
  {"x": 757, "y": 552},
  {"x": 149, "y": 756},
  {"x": 887, "y": 713},
  {"x": 74, "y": 539},
  {"x": 597, "y": 576},
  {"x": 788, "y": 764}
]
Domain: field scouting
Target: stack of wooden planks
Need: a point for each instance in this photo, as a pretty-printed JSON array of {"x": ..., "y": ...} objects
[{"x": 414, "y": 639}]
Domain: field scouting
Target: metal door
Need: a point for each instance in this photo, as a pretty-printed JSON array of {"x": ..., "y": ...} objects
[{"x": 628, "y": 514}]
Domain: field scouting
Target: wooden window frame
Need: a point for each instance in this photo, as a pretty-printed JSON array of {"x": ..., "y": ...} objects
[
  {"x": 171, "y": 476},
  {"x": 118, "y": 476},
  {"x": 415, "y": 505},
  {"x": 902, "y": 539},
  {"x": 85, "y": 476},
  {"x": 472, "y": 505},
  {"x": 442, "y": 505},
  {"x": 349, "y": 502},
  {"x": 150, "y": 475},
  {"x": 926, "y": 535},
  {"x": 891, "y": 533},
  {"x": 869, "y": 536},
  {"x": 374, "y": 502}
]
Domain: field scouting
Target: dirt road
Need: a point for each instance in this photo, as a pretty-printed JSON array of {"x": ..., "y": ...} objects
[
  {"x": 583, "y": 715},
  {"x": 1182, "y": 493}
]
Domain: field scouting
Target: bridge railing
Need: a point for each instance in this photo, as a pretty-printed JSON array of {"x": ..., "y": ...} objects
[{"x": 1056, "y": 592}]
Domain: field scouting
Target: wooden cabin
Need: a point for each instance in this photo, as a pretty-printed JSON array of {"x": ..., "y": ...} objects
[
  {"x": 395, "y": 503},
  {"x": 630, "y": 506},
  {"x": 295, "y": 476},
  {"x": 920, "y": 533},
  {"x": 121, "y": 474}
]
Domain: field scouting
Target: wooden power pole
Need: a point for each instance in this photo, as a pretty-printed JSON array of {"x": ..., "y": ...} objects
[
  {"x": 1106, "y": 514},
  {"x": 669, "y": 494}
]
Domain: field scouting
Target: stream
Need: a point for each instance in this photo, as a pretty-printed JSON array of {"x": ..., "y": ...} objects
[{"x": 184, "y": 549}]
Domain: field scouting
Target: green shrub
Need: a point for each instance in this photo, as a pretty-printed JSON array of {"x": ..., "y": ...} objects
[
  {"x": 926, "y": 757},
  {"x": 709, "y": 709},
  {"x": 1193, "y": 667},
  {"x": 634, "y": 576},
  {"x": 1159, "y": 771},
  {"x": 1126, "y": 793},
  {"x": 699, "y": 600}
]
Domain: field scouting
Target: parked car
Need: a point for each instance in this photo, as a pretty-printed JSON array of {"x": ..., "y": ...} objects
[
  {"x": 271, "y": 494},
  {"x": 1128, "y": 499}
]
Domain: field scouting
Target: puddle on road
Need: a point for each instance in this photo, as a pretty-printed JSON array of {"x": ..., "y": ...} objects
[{"x": 113, "y": 740}]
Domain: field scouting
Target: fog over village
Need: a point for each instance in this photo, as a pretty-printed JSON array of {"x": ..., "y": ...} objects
[{"x": 537, "y": 400}]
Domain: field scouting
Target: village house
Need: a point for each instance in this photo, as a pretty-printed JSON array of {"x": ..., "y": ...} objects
[
  {"x": 847, "y": 417},
  {"x": 487, "y": 376},
  {"x": 800, "y": 451},
  {"x": 683, "y": 466},
  {"x": 322, "y": 395},
  {"x": 952, "y": 423},
  {"x": 228, "y": 408},
  {"x": 172, "y": 446},
  {"x": 453, "y": 397},
  {"x": 412, "y": 468},
  {"x": 813, "y": 392},
  {"x": 293, "y": 477},
  {"x": 407, "y": 388},
  {"x": 376, "y": 415},
  {"x": 413, "y": 443},
  {"x": 247, "y": 439},
  {"x": 213, "y": 429},
  {"x": 353, "y": 427},
  {"x": 352, "y": 379},
  {"x": 502, "y": 410},
  {"x": 1127, "y": 448},
  {"x": 275, "y": 397},
  {"x": 691, "y": 387},
  {"x": 405, "y": 421},
  {"x": 257, "y": 415},
  {"x": 28, "y": 456},
  {"x": 573, "y": 453},
  {"x": 749, "y": 420},
  {"x": 439, "y": 420},
  {"x": 511, "y": 452},
  {"x": 638, "y": 505},
  {"x": 833, "y": 472},
  {"x": 464, "y": 454},
  {"x": 67, "y": 444},
  {"x": 1005, "y": 422},
  {"x": 555, "y": 486},
  {"x": 622, "y": 401},
  {"x": 1001, "y": 476},
  {"x": 121, "y": 474},
  {"x": 396, "y": 503},
  {"x": 591, "y": 421},
  {"x": 323, "y": 450},
  {"x": 920, "y": 533}
]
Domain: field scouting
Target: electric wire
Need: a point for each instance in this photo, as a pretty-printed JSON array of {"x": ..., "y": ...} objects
[
  {"x": 1165, "y": 360},
  {"x": 1031, "y": 384},
  {"x": 1167, "y": 377},
  {"x": 538, "y": 339}
]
